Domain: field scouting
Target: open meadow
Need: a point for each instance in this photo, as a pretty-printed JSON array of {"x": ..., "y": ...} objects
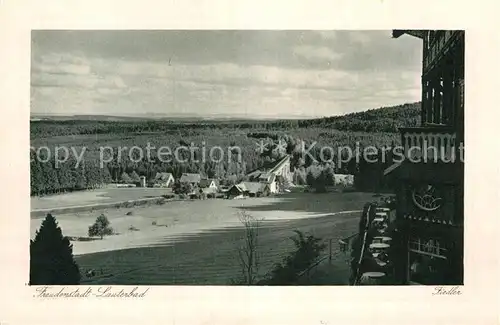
[
  {"x": 97, "y": 196},
  {"x": 195, "y": 242}
]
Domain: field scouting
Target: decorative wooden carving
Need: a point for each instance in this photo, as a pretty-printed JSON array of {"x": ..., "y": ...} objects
[
  {"x": 428, "y": 203},
  {"x": 426, "y": 198}
]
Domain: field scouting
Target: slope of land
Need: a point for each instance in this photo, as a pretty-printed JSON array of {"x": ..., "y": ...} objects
[{"x": 200, "y": 244}]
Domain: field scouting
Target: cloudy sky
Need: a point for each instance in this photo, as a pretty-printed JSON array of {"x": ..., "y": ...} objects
[{"x": 231, "y": 73}]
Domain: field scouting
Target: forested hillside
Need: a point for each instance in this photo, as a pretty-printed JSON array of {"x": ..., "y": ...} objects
[
  {"x": 376, "y": 128},
  {"x": 385, "y": 119}
]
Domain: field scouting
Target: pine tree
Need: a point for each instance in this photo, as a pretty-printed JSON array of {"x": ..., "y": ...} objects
[
  {"x": 125, "y": 178},
  {"x": 51, "y": 256}
]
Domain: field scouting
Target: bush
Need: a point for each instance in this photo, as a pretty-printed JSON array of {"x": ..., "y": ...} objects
[
  {"x": 182, "y": 188},
  {"x": 307, "y": 252},
  {"x": 51, "y": 257},
  {"x": 125, "y": 178},
  {"x": 101, "y": 227},
  {"x": 160, "y": 201}
]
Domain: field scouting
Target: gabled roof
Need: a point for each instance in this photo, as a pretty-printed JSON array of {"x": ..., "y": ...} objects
[
  {"x": 163, "y": 176},
  {"x": 251, "y": 187},
  {"x": 280, "y": 164},
  {"x": 267, "y": 169},
  {"x": 207, "y": 181},
  {"x": 190, "y": 178},
  {"x": 235, "y": 187},
  {"x": 256, "y": 173},
  {"x": 413, "y": 32}
]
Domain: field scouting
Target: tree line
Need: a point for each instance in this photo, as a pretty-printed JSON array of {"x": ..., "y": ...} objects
[
  {"x": 298, "y": 135},
  {"x": 48, "y": 178},
  {"x": 384, "y": 119}
]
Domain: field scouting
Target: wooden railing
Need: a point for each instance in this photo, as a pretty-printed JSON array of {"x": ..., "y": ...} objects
[{"x": 430, "y": 144}]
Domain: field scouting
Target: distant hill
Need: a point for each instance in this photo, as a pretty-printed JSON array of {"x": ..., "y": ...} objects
[
  {"x": 48, "y": 117},
  {"x": 384, "y": 119}
]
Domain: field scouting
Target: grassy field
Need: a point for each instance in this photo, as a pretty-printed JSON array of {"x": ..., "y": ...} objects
[
  {"x": 211, "y": 258},
  {"x": 106, "y": 195},
  {"x": 195, "y": 242}
]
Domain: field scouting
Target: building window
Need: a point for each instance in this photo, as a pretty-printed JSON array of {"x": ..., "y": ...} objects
[
  {"x": 427, "y": 261},
  {"x": 427, "y": 269},
  {"x": 429, "y": 246}
]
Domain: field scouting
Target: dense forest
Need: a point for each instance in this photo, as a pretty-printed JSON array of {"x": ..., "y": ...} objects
[
  {"x": 376, "y": 127},
  {"x": 384, "y": 119}
]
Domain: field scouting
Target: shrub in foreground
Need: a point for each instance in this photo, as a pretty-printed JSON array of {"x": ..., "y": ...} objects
[
  {"x": 100, "y": 227},
  {"x": 308, "y": 249}
]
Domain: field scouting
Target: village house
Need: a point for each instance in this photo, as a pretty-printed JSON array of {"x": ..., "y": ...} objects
[
  {"x": 248, "y": 189},
  {"x": 163, "y": 180},
  {"x": 209, "y": 185},
  {"x": 193, "y": 179}
]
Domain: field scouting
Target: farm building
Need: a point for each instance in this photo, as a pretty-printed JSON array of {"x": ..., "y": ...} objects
[
  {"x": 248, "y": 189},
  {"x": 277, "y": 175},
  {"x": 234, "y": 192},
  {"x": 193, "y": 179},
  {"x": 163, "y": 180},
  {"x": 209, "y": 190}
]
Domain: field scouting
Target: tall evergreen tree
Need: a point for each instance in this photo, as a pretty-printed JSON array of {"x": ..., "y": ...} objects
[{"x": 51, "y": 257}]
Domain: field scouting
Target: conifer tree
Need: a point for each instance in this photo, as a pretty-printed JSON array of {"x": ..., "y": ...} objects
[{"x": 51, "y": 257}]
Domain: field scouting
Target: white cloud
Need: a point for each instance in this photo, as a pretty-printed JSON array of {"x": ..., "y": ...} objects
[
  {"x": 74, "y": 83},
  {"x": 316, "y": 53}
]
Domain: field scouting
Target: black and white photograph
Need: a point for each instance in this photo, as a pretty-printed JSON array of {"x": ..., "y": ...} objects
[{"x": 246, "y": 157}]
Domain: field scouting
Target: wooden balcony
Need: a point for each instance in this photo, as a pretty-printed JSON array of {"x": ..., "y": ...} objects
[
  {"x": 431, "y": 144},
  {"x": 439, "y": 47}
]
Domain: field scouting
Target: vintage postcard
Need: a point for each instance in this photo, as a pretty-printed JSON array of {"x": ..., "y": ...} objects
[{"x": 197, "y": 165}]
